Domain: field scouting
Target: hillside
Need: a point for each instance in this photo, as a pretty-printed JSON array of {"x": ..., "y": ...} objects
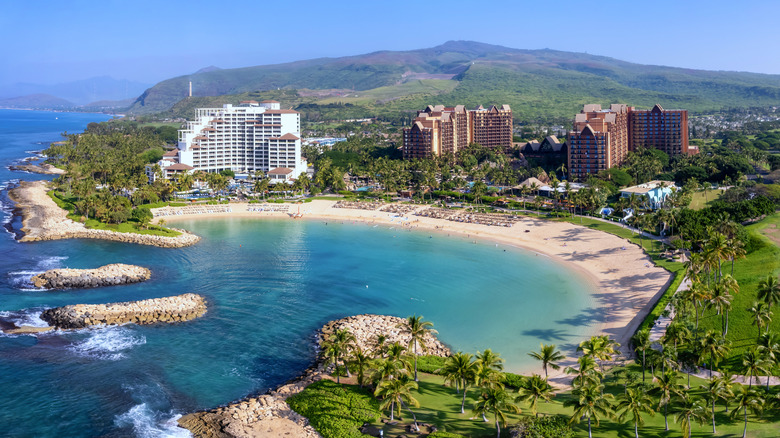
[
  {"x": 537, "y": 83},
  {"x": 36, "y": 101},
  {"x": 79, "y": 92}
]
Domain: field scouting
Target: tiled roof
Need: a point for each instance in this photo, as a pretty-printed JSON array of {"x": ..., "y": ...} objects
[{"x": 280, "y": 171}]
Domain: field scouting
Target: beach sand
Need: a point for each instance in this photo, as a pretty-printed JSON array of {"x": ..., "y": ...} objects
[{"x": 625, "y": 280}]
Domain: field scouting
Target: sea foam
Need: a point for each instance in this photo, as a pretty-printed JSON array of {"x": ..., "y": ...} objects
[
  {"x": 107, "y": 343},
  {"x": 22, "y": 279},
  {"x": 147, "y": 423}
]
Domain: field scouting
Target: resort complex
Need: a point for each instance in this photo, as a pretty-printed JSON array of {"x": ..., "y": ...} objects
[
  {"x": 248, "y": 138},
  {"x": 438, "y": 130},
  {"x": 601, "y": 138}
]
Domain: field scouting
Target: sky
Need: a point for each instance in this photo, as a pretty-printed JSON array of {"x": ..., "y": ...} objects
[{"x": 55, "y": 41}]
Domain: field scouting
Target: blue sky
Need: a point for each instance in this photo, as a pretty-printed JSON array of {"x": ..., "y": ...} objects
[{"x": 50, "y": 42}]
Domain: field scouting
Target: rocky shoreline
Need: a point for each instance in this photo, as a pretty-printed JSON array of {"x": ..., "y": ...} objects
[
  {"x": 42, "y": 219},
  {"x": 269, "y": 415},
  {"x": 168, "y": 309},
  {"x": 44, "y": 169},
  {"x": 108, "y": 275}
]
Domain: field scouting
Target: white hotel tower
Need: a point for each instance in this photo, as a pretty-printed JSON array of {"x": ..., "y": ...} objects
[{"x": 246, "y": 138}]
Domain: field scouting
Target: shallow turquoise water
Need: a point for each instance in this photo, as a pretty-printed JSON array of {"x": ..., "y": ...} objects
[{"x": 270, "y": 284}]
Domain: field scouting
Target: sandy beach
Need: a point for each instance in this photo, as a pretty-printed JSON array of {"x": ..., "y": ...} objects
[{"x": 626, "y": 281}]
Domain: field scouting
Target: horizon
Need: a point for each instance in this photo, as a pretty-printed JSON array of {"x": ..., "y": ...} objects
[{"x": 153, "y": 42}]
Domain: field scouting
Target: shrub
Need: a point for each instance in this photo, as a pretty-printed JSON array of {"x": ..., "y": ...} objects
[
  {"x": 543, "y": 427},
  {"x": 438, "y": 434},
  {"x": 513, "y": 380},
  {"x": 336, "y": 411}
]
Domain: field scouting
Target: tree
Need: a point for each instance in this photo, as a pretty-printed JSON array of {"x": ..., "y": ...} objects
[
  {"x": 713, "y": 346},
  {"x": 586, "y": 372},
  {"x": 362, "y": 363},
  {"x": 495, "y": 401},
  {"x": 337, "y": 347},
  {"x": 714, "y": 390},
  {"x": 601, "y": 347},
  {"x": 666, "y": 386},
  {"x": 753, "y": 363},
  {"x": 634, "y": 402},
  {"x": 641, "y": 341},
  {"x": 460, "y": 369},
  {"x": 548, "y": 355},
  {"x": 690, "y": 409},
  {"x": 534, "y": 388},
  {"x": 747, "y": 399},
  {"x": 398, "y": 391},
  {"x": 589, "y": 401},
  {"x": 769, "y": 291},
  {"x": 417, "y": 329},
  {"x": 761, "y": 315}
]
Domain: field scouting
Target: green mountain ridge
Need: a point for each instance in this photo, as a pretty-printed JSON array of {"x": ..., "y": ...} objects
[{"x": 536, "y": 83}]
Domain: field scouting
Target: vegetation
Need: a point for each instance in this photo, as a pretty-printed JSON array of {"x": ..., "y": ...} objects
[{"x": 336, "y": 411}]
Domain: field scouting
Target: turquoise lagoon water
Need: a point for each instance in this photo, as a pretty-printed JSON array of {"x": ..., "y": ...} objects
[{"x": 270, "y": 284}]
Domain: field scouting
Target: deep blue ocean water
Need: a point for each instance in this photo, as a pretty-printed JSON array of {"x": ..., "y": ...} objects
[{"x": 270, "y": 284}]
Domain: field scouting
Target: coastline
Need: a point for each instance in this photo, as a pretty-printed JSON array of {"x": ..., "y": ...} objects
[
  {"x": 42, "y": 219},
  {"x": 625, "y": 281}
]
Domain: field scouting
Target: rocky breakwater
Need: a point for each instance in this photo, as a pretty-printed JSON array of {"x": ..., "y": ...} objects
[
  {"x": 169, "y": 309},
  {"x": 367, "y": 329},
  {"x": 42, "y": 219},
  {"x": 108, "y": 275},
  {"x": 269, "y": 415}
]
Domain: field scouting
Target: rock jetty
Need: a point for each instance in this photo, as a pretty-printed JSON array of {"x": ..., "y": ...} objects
[
  {"x": 42, "y": 219},
  {"x": 108, "y": 275},
  {"x": 269, "y": 415},
  {"x": 169, "y": 309},
  {"x": 367, "y": 328},
  {"x": 45, "y": 168}
]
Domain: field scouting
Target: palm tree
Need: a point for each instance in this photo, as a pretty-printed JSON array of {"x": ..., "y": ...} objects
[
  {"x": 761, "y": 315},
  {"x": 398, "y": 391},
  {"x": 634, "y": 402},
  {"x": 666, "y": 386},
  {"x": 641, "y": 341},
  {"x": 690, "y": 408},
  {"x": 385, "y": 369},
  {"x": 337, "y": 347},
  {"x": 732, "y": 288},
  {"x": 698, "y": 293},
  {"x": 601, "y": 347},
  {"x": 753, "y": 363},
  {"x": 747, "y": 399},
  {"x": 589, "y": 401},
  {"x": 495, "y": 401},
  {"x": 727, "y": 382},
  {"x": 713, "y": 391},
  {"x": 362, "y": 363},
  {"x": 720, "y": 299},
  {"x": 713, "y": 346},
  {"x": 769, "y": 347},
  {"x": 417, "y": 329},
  {"x": 586, "y": 373},
  {"x": 548, "y": 355},
  {"x": 460, "y": 370},
  {"x": 769, "y": 291},
  {"x": 534, "y": 388}
]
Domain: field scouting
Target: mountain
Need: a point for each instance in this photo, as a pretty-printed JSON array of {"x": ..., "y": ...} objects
[
  {"x": 36, "y": 101},
  {"x": 80, "y": 92},
  {"x": 536, "y": 83}
]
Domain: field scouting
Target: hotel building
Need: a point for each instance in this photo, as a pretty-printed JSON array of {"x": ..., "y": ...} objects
[
  {"x": 246, "y": 138},
  {"x": 439, "y": 130},
  {"x": 602, "y": 138}
]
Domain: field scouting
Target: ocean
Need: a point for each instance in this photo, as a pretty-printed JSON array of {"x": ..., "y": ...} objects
[{"x": 269, "y": 284}]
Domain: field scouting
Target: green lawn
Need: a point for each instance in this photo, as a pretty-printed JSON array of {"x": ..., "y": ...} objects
[
  {"x": 701, "y": 199},
  {"x": 748, "y": 272},
  {"x": 440, "y": 406}
]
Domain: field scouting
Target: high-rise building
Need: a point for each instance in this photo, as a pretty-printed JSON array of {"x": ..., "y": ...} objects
[
  {"x": 438, "y": 130},
  {"x": 599, "y": 139},
  {"x": 661, "y": 129},
  {"x": 602, "y": 138},
  {"x": 246, "y": 138}
]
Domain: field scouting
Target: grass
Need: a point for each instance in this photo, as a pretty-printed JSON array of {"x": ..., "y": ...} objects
[
  {"x": 748, "y": 272},
  {"x": 440, "y": 406},
  {"x": 131, "y": 226},
  {"x": 700, "y": 200}
]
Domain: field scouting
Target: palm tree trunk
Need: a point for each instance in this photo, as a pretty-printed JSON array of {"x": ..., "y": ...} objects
[
  {"x": 636, "y": 429},
  {"x": 666, "y": 418},
  {"x": 463, "y": 401},
  {"x": 643, "y": 364},
  {"x": 498, "y": 428},
  {"x": 590, "y": 434},
  {"x": 414, "y": 417},
  {"x": 415, "y": 362},
  {"x": 713, "y": 416},
  {"x": 744, "y": 431},
  {"x": 392, "y": 410}
]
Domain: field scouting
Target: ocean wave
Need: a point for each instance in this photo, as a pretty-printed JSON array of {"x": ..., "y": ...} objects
[
  {"x": 6, "y": 205},
  {"x": 147, "y": 423},
  {"x": 21, "y": 279},
  {"x": 107, "y": 343},
  {"x": 29, "y": 317}
]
